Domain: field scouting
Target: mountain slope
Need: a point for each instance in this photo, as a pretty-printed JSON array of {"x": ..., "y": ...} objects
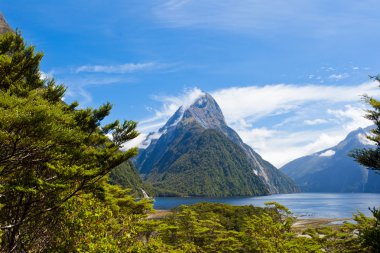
[
  {"x": 205, "y": 162},
  {"x": 332, "y": 170},
  {"x": 126, "y": 176},
  {"x": 4, "y": 27},
  {"x": 198, "y": 154}
]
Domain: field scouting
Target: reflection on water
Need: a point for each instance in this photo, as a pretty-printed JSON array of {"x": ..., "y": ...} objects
[{"x": 305, "y": 205}]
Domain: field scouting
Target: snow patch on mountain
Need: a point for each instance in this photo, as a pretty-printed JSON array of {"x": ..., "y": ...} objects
[{"x": 327, "y": 153}]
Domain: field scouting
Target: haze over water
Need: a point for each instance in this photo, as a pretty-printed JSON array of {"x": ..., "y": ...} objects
[{"x": 303, "y": 205}]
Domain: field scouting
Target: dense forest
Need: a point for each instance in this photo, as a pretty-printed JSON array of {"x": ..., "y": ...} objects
[
  {"x": 55, "y": 195},
  {"x": 127, "y": 176}
]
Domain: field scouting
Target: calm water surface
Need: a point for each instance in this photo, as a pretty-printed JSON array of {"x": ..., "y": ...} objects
[{"x": 305, "y": 205}]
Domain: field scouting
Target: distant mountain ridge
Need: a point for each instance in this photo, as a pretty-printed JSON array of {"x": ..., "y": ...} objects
[
  {"x": 196, "y": 153},
  {"x": 332, "y": 170}
]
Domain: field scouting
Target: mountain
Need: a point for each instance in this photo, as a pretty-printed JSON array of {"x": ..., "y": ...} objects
[
  {"x": 196, "y": 154},
  {"x": 332, "y": 170},
  {"x": 4, "y": 27}
]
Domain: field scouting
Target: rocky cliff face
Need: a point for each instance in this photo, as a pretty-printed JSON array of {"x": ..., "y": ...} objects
[
  {"x": 4, "y": 27},
  {"x": 177, "y": 155},
  {"x": 333, "y": 170}
]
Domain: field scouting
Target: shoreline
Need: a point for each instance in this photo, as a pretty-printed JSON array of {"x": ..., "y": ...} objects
[
  {"x": 300, "y": 224},
  {"x": 303, "y": 224}
]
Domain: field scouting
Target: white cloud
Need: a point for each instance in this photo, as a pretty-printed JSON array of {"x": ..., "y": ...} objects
[
  {"x": 152, "y": 126},
  {"x": 338, "y": 77},
  {"x": 170, "y": 105},
  {"x": 354, "y": 115},
  {"x": 327, "y": 153},
  {"x": 136, "y": 142},
  {"x": 46, "y": 75},
  {"x": 256, "y": 102},
  {"x": 258, "y": 136},
  {"x": 312, "y": 122},
  {"x": 364, "y": 140},
  {"x": 175, "y": 4},
  {"x": 118, "y": 69},
  {"x": 185, "y": 100},
  {"x": 287, "y": 146},
  {"x": 77, "y": 86},
  {"x": 247, "y": 15}
]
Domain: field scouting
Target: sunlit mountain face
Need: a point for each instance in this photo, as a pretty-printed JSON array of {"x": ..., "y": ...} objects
[{"x": 198, "y": 154}]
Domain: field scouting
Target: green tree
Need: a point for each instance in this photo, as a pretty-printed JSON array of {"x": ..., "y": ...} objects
[
  {"x": 116, "y": 224},
  {"x": 49, "y": 151},
  {"x": 370, "y": 158},
  {"x": 209, "y": 227}
]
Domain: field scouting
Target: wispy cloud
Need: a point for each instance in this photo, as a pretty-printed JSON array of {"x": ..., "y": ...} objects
[
  {"x": 338, "y": 77},
  {"x": 170, "y": 105},
  {"x": 255, "y": 16},
  {"x": 80, "y": 78},
  {"x": 313, "y": 122},
  {"x": 46, "y": 75},
  {"x": 117, "y": 69},
  {"x": 350, "y": 117},
  {"x": 78, "y": 87},
  {"x": 256, "y": 102}
]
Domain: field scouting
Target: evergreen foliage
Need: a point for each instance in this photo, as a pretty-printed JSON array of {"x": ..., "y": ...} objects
[
  {"x": 370, "y": 158},
  {"x": 209, "y": 227},
  {"x": 114, "y": 224},
  {"x": 50, "y": 151}
]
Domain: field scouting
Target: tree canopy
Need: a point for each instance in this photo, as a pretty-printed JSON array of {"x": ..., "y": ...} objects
[
  {"x": 370, "y": 158},
  {"x": 50, "y": 150}
]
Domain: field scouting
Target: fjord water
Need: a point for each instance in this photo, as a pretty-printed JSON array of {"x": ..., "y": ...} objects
[{"x": 303, "y": 205}]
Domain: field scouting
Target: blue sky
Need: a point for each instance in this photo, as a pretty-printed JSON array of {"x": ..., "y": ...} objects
[{"x": 287, "y": 74}]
